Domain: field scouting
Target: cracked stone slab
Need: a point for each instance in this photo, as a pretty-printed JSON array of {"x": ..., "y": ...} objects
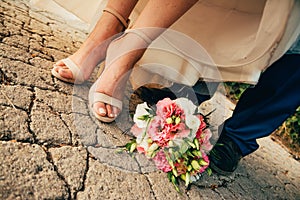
[
  {"x": 48, "y": 126},
  {"x": 163, "y": 188},
  {"x": 38, "y": 27},
  {"x": 26, "y": 173},
  {"x": 115, "y": 158},
  {"x": 18, "y": 96},
  {"x": 276, "y": 176},
  {"x": 25, "y": 74},
  {"x": 71, "y": 163},
  {"x": 39, "y": 62},
  {"x": 14, "y": 53},
  {"x": 113, "y": 132},
  {"x": 55, "y": 42},
  {"x": 58, "y": 102},
  {"x": 17, "y": 41},
  {"x": 206, "y": 194},
  {"x": 13, "y": 123},
  {"x": 82, "y": 128},
  {"x": 146, "y": 165},
  {"x": 11, "y": 27},
  {"x": 104, "y": 182}
]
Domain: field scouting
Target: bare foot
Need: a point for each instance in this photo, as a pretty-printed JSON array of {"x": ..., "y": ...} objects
[
  {"x": 122, "y": 54},
  {"x": 93, "y": 50}
]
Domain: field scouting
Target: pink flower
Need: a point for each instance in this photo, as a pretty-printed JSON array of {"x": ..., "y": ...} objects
[
  {"x": 167, "y": 108},
  {"x": 136, "y": 131},
  {"x": 158, "y": 132},
  {"x": 142, "y": 145},
  {"x": 141, "y": 149},
  {"x": 182, "y": 131},
  {"x": 204, "y": 140},
  {"x": 201, "y": 127},
  {"x": 161, "y": 162}
]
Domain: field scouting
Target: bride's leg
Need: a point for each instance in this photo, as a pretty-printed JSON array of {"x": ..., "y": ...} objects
[
  {"x": 157, "y": 13},
  {"x": 93, "y": 49}
]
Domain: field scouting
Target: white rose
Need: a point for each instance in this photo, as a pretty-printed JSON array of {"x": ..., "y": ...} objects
[
  {"x": 187, "y": 105},
  {"x": 193, "y": 123},
  {"x": 141, "y": 110}
]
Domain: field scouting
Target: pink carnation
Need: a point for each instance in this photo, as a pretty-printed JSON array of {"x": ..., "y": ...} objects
[
  {"x": 136, "y": 131},
  {"x": 205, "y": 140},
  {"x": 158, "y": 133},
  {"x": 201, "y": 127},
  {"x": 167, "y": 108},
  {"x": 182, "y": 131},
  {"x": 161, "y": 162}
]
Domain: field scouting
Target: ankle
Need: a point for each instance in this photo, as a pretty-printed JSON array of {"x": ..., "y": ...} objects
[{"x": 110, "y": 25}]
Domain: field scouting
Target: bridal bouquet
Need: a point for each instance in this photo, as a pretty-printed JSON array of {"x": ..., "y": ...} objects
[{"x": 175, "y": 136}]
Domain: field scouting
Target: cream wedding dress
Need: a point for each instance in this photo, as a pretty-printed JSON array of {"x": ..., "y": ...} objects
[{"x": 216, "y": 40}]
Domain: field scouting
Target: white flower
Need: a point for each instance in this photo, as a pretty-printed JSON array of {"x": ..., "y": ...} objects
[
  {"x": 187, "y": 105},
  {"x": 143, "y": 142},
  {"x": 141, "y": 110},
  {"x": 193, "y": 123}
]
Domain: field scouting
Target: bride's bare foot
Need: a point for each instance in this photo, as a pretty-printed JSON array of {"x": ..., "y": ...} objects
[
  {"x": 122, "y": 54},
  {"x": 93, "y": 50}
]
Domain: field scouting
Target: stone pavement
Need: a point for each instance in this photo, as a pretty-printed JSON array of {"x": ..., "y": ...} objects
[{"x": 45, "y": 122}]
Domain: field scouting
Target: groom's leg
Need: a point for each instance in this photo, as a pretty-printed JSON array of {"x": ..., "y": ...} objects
[
  {"x": 265, "y": 107},
  {"x": 259, "y": 112}
]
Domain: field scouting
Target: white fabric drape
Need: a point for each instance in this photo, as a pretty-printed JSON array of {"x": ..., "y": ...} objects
[{"x": 238, "y": 39}]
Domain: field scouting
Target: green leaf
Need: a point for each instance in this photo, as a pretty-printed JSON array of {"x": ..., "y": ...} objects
[
  {"x": 209, "y": 171},
  {"x": 144, "y": 117},
  {"x": 169, "y": 175}
]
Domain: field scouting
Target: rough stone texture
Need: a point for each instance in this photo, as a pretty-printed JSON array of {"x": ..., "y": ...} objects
[
  {"x": 27, "y": 174},
  {"x": 48, "y": 127},
  {"x": 13, "y": 123},
  {"x": 15, "y": 96},
  {"x": 58, "y": 102},
  {"x": 116, "y": 158},
  {"x": 162, "y": 188},
  {"x": 52, "y": 147},
  {"x": 31, "y": 77},
  {"x": 69, "y": 160},
  {"x": 108, "y": 183}
]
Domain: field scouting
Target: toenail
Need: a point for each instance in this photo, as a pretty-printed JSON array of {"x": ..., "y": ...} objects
[
  {"x": 112, "y": 115},
  {"x": 102, "y": 111}
]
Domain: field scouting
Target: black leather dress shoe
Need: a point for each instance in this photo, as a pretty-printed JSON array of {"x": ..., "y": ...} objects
[{"x": 225, "y": 156}]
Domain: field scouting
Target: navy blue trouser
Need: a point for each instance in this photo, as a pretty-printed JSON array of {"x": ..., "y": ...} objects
[{"x": 263, "y": 108}]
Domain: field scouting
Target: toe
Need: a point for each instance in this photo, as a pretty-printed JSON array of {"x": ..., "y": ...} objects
[
  {"x": 100, "y": 109},
  {"x": 116, "y": 111},
  {"x": 65, "y": 72},
  {"x": 110, "y": 112}
]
